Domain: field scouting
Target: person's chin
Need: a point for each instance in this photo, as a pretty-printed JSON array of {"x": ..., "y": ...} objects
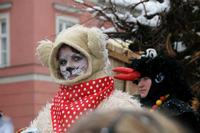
[
  {"x": 142, "y": 94},
  {"x": 72, "y": 77}
]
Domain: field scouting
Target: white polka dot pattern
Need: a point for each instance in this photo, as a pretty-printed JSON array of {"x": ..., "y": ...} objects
[{"x": 73, "y": 101}]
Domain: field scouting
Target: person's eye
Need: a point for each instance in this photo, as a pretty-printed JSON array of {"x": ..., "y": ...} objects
[
  {"x": 62, "y": 62},
  {"x": 77, "y": 58},
  {"x": 135, "y": 81}
]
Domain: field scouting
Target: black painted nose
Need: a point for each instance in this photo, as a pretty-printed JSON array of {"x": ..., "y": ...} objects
[{"x": 69, "y": 69}]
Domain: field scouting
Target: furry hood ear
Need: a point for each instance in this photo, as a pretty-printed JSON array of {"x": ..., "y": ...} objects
[
  {"x": 44, "y": 50},
  {"x": 97, "y": 42}
]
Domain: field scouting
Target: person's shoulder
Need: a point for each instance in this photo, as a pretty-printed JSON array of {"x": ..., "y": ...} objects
[
  {"x": 119, "y": 99},
  {"x": 176, "y": 106},
  {"x": 6, "y": 124}
]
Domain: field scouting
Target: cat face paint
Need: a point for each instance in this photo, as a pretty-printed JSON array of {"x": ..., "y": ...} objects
[{"x": 71, "y": 62}]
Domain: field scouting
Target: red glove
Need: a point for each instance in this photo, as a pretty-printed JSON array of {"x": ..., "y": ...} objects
[{"x": 126, "y": 73}]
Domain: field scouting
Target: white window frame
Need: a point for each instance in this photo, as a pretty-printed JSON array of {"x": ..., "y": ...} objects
[
  {"x": 66, "y": 19},
  {"x": 5, "y": 16}
]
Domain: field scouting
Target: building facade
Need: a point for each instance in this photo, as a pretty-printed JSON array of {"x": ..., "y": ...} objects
[{"x": 25, "y": 85}]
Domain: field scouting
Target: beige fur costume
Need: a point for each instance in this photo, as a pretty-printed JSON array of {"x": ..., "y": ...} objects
[{"x": 91, "y": 42}]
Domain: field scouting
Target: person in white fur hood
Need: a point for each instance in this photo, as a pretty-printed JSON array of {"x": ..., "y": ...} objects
[{"x": 78, "y": 61}]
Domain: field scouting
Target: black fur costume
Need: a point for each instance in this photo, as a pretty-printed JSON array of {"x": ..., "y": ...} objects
[{"x": 167, "y": 78}]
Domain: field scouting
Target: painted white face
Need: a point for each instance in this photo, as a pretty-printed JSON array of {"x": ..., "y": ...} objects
[
  {"x": 71, "y": 62},
  {"x": 144, "y": 86}
]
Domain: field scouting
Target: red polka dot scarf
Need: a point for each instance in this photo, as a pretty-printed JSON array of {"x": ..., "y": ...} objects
[{"x": 73, "y": 101}]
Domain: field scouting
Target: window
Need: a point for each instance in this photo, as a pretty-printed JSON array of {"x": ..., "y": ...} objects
[
  {"x": 64, "y": 22},
  {"x": 4, "y": 40}
]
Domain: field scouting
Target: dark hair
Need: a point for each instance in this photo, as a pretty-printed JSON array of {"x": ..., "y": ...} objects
[{"x": 64, "y": 46}]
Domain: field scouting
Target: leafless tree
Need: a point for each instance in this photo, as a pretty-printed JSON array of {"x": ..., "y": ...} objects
[{"x": 178, "y": 26}]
